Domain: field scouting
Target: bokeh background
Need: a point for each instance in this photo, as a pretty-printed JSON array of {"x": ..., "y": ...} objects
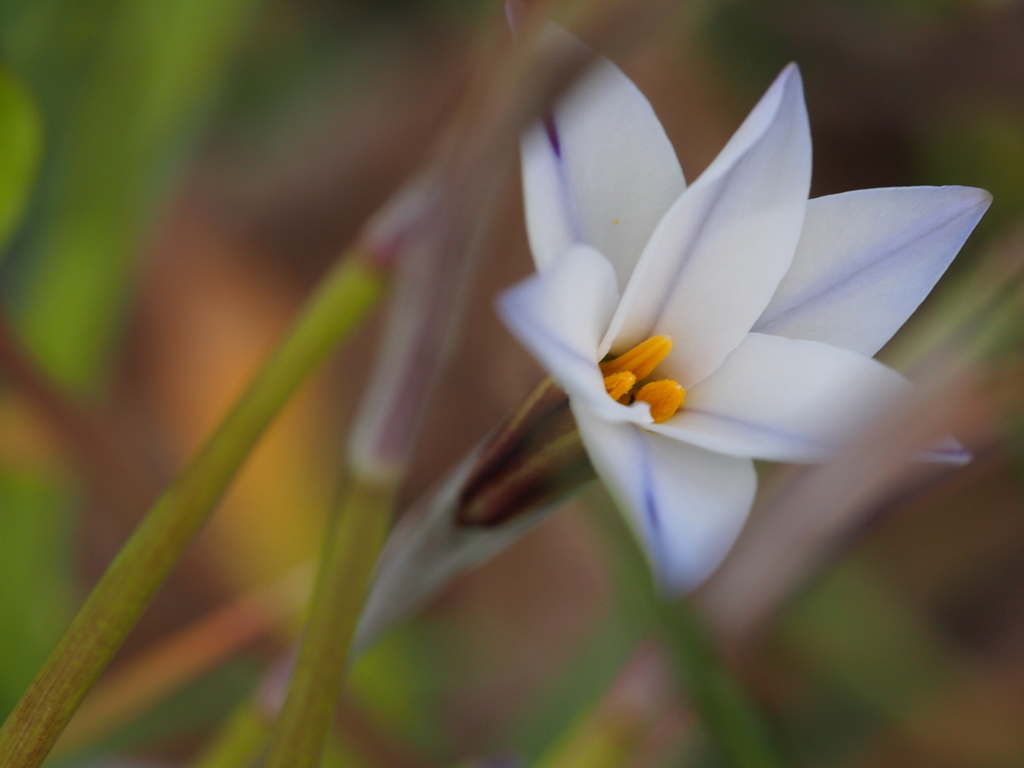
[{"x": 194, "y": 166}]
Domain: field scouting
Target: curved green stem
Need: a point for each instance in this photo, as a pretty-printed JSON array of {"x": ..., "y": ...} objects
[{"x": 158, "y": 542}]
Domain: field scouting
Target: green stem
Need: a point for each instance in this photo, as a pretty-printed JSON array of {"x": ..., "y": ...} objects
[
  {"x": 726, "y": 711},
  {"x": 144, "y": 562},
  {"x": 353, "y": 542},
  {"x": 240, "y": 743},
  {"x": 597, "y": 739}
]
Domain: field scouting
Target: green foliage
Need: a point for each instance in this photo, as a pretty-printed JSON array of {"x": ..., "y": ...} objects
[
  {"x": 394, "y": 681},
  {"x": 35, "y": 597},
  {"x": 34, "y": 554},
  {"x": 20, "y": 150},
  {"x": 885, "y": 659},
  {"x": 126, "y": 103},
  {"x": 144, "y": 562}
]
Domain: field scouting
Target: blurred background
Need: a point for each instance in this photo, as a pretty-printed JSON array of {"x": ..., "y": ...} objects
[{"x": 179, "y": 173}]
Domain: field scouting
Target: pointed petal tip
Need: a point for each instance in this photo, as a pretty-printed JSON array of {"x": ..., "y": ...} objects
[
  {"x": 962, "y": 458},
  {"x": 787, "y": 85},
  {"x": 957, "y": 456},
  {"x": 970, "y": 197},
  {"x": 976, "y": 203},
  {"x": 948, "y": 450},
  {"x": 969, "y": 201},
  {"x": 790, "y": 77},
  {"x": 983, "y": 198},
  {"x": 790, "y": 88},
  {"x": 514, "y": 13}
]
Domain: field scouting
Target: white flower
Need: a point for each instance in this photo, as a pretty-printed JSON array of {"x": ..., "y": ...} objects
[{"x": 773, "y": 304}]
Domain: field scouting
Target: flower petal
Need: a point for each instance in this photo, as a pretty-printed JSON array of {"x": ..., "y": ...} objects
[
  {"x": 686, "y": 504},
  {"x": 560, "y": 315},
  {"x": 948, "y": 450},
  {"x": 866, "y": 260},
  {"x": 600, "y": 170},
  {"x": 719, "y": 253},
  {"x": 785, "y": 400}
]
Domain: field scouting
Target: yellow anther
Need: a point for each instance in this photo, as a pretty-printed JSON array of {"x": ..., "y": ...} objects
[
  {"x": 665, "y": 397},
  {"x": 619, "y": 383},
  {"x": 641, "y": 359}
]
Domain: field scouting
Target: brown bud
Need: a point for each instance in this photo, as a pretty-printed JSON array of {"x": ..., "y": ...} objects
[{"x": 534, "y": 459}]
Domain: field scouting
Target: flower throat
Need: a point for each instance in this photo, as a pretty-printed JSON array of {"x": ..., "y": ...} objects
[{"x": 622, "y": 373}]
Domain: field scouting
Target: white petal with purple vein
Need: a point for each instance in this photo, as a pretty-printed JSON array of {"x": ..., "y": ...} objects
[
  {"x": 718, "y": 255},
  {"x": 785, "y": 400},
  {"x": 599, "y": 171},
  {"x": 867, "y": 259},
  {"x": 686, "y": 504}
]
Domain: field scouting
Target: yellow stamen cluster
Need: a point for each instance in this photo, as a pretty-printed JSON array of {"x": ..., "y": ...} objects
[
  {"x": 665, "y": 397},
  {"x": 619, "y": 384},
  {"x": 623, "y": 372},
  {"x": 641, "y": 359}
]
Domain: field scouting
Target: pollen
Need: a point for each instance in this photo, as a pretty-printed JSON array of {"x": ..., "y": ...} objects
[
  {"x": 665, "y": 398},
  {"x": 618, "y": 384},
  {"x": 641, "y": 359}
]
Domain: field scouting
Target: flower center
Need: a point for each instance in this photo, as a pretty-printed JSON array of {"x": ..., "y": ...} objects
[{"x": 623, "y": 372}]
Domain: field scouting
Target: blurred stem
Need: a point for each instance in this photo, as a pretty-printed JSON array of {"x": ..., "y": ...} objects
[
  {"x": 725, "y": 709},
  {"x": 354, "y": 538},
  {"x": 240, "y": 743},
  {"x": 156, "y": 673},
  {"x": 718, "y": 698},
  {"x": 611, "y": 732},
  {"x": 595, "y": 742},
  {"x": 158, "y": 542}
]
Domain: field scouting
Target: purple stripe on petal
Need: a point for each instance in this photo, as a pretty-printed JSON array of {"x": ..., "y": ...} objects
[
  {"x": 659, "y": 551},
  {"x": 552, "y": 131},
  {"x": 570, "y": 203},
  {"x": 827, "y": 290}
]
